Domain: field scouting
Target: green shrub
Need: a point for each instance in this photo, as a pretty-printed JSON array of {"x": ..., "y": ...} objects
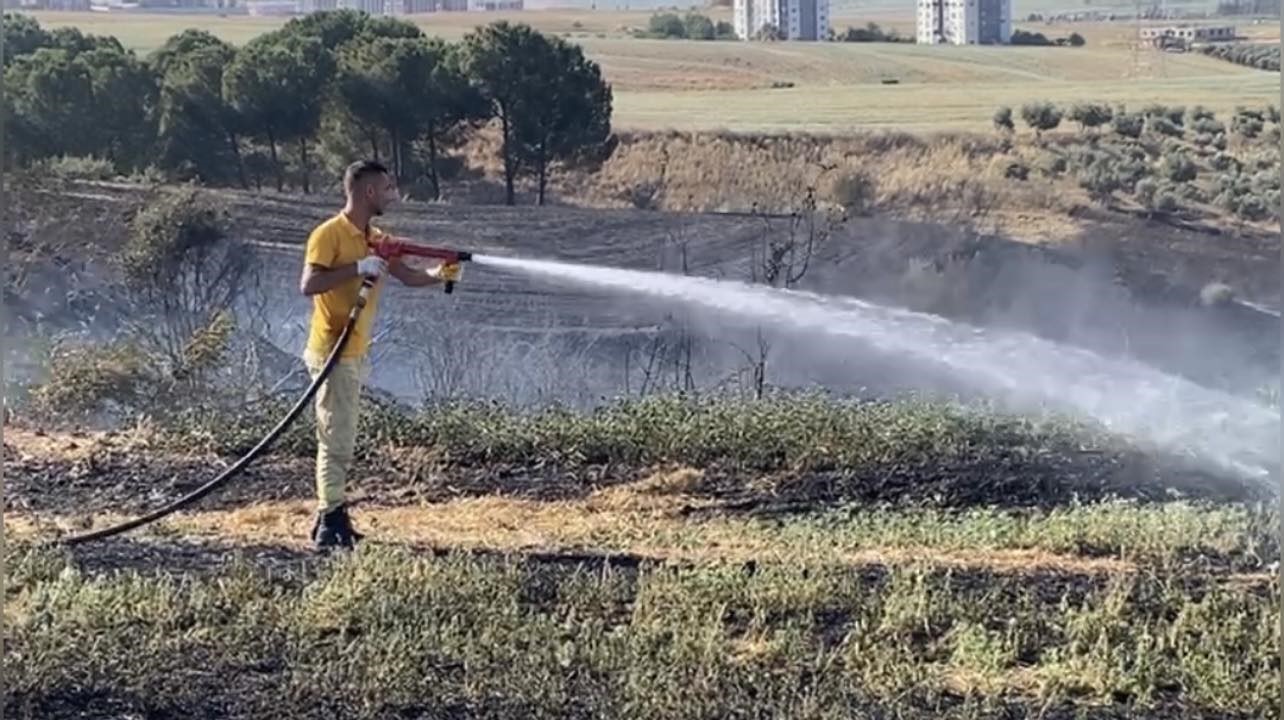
[
  {"x": 1003, "y": 119},
  {"x": 77, "y": 168},
  {"x": 1224, "y": 162},
  {"x": 1128, "y": 125},
  {"x": 1089, "y": 115},
  {"x": 87, "y": 378},
  {"x": 1178, "y": 167},
  {"x": 1041, "y": 116},
  {"x": 1166, "y": 201}
]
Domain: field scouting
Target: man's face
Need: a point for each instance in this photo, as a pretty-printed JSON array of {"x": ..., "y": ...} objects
[{"x": 381, "y": 192}]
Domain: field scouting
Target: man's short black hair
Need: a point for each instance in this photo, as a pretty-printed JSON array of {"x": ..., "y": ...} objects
[{"x": 361, "y": 170}]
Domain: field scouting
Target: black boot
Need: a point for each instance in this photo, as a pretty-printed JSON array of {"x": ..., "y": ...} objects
[{"x": 334, "y": 529}]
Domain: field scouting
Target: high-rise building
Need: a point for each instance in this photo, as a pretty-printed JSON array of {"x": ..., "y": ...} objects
[
  {"x": 964, "y": 22},
  {"x": 789, "y": 19}
]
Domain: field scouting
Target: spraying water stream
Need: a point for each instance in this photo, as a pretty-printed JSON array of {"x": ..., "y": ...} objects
[{"x": 1125, "y": 397}]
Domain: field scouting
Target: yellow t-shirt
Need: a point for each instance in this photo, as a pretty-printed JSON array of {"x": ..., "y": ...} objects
[{"x": 334, "y": 243}]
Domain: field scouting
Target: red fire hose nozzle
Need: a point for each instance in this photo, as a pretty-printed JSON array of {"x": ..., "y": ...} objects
[{"x": 391, "y": 247}]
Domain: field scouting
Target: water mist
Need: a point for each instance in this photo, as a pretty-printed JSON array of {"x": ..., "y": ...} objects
[{"x": 1124, "y": 396}]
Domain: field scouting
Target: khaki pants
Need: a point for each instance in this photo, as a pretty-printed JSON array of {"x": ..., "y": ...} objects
[{"x": 338, "y": 407}]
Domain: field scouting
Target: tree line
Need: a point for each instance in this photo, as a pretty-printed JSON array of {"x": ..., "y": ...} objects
[
  {"x": 1263, "y": 56},
  {"x": 324, "y": 87}
]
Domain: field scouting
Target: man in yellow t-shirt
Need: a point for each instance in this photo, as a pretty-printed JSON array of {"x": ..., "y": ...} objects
[{"x": 337, "y": 259}]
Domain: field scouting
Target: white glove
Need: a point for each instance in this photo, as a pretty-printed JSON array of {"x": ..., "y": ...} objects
[{"x": 371, "y": 266}]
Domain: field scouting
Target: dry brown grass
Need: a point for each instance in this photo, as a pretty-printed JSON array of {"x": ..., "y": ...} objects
[
  {"x": 648, "y": 518},
  {"x": 948, "y": 177}
]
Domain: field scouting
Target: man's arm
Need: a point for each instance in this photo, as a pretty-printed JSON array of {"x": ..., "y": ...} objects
[
  {"x": 318, "y": 279},
  {"x": 410, "y": 276}
]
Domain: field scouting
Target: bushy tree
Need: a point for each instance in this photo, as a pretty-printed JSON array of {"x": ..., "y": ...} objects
[
  {"x": 199, "y": 130},
  {"x": 278, "y": 83},
  {"x": 1041, "y": 116},
  {"x": 1178, "y": 167},
  {"x": 408, "y": 89},
  {"x": 1129, "y": 125},
  {"x": 667, "y": 25},
  {"x": 92, "y": 99},
  {"x": 552, "y": 102},
  {"x": 1247, "y": 123},
  {"x": 1089, "y": 115},
  {"x": 22, "y": 36},
  {"x": 1003, "y": 119},
  {"x": 182, "y": 270}
]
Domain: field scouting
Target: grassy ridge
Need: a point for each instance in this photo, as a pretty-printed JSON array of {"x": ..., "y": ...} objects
[{"x": 390, "y": 634}]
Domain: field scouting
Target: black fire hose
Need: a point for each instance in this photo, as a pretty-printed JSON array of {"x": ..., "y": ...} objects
[{"x": 254, "y": 452}]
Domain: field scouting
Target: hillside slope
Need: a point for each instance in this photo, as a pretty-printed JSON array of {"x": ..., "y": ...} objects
[{"x": 1110, "y": 304}]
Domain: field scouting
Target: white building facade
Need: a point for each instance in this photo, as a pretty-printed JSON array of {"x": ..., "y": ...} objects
[
  {"x": 964, "y": 22},
  {"x": 793, "y": 19}
]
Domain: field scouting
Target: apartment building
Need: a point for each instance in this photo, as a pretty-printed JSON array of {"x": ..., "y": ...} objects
[
  {"x": 964, "y": 22},
  {"x": 791, "y": 19},
  {"x": 1186, "y": 35}
]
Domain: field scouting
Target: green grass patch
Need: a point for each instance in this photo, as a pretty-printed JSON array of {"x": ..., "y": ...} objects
[
  {"x": 791, "y": 432},
  {"x": 814, "y": 447},
  {"x": 386, "y": 633},
  {"x": 1168, "y": 534}
]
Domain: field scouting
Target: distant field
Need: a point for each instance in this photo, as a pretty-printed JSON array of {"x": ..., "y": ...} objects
[
  {"x": 925, "y": 107},
  {"x": 795, "y": 86}
]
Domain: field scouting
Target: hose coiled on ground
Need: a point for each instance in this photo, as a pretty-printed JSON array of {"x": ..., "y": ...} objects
[{"x": 254, "y": 452}]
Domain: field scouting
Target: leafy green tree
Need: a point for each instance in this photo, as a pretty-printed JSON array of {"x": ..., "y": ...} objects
[
  {"x": 1178, "y": 167},
  {"x": 408, "y": 89},
  {"x": 667, "y": 25},
  {"x": 1041, "y": 117},
  {"x": 125, "y": 101},
  {"x": 279, "y": 83},
  {"x": 699, "y": 27},
  {"x": 76, "y": 42},
  {"x": 336, "y": 28},
  {"x": 551, "y": 102},
  {"x": 1128, "y": 124},
  {"x": 573, "y": 116},
  {"x": 1003, "y": 119},
  {"x": 51, "y": 95},
  {"x": 99, "y": 102},
  {"x": 22, "y": 36},
  {"x": 199, "y": 130},
  {"x": 1101, "y": 181},
  {"x": 1089, "y": 115}
]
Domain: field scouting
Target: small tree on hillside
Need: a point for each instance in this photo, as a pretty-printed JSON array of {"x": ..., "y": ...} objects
[
  {"x": 1003, "y": 119},
  {"x": 1129, "y": 125},
  {"x": 1089, "y": 115},
  {"x": 1178, "y": 167},
  {"x": 1041, "y": 117},
  {"x": 1247, "y": 123},
  {"x": 1101, "y": 181}
]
